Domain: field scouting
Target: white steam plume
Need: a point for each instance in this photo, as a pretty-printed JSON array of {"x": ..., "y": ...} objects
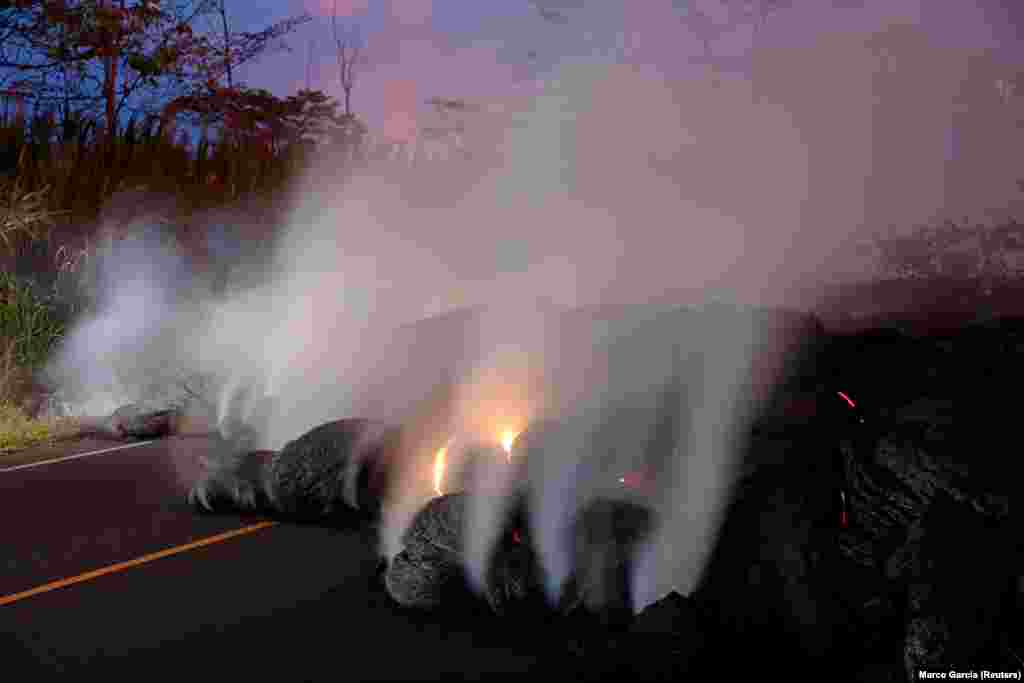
[{"x": 617, "y": 183}]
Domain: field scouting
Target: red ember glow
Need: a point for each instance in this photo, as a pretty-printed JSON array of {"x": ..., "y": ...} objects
[
  {"x": 637, "y": 480},
  {"x": 847, "y": 399}
]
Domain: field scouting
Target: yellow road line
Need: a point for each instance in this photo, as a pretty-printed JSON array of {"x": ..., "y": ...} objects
[{"x": 121, "y": 566}]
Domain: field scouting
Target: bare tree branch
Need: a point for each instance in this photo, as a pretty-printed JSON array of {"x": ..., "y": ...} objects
[
  {"x": 349, "y": 52},
  {"x": 222, "y": 9}
]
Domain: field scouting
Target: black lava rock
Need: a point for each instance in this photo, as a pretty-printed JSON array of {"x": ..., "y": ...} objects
[
  {"x": 430, "y": 570},
  {"x": 340, "y": 467},
  {"x": 667, "y": 637}
]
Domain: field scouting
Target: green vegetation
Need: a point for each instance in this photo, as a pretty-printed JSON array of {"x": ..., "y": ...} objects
[
  {"x": 18, "y": 431},
  {"x": 30, "y": 324},
  {"x": 17, "y": 428},
  {"x": 52, "y": 196},
  {"x": 30, "y": 327},
  {"x": 136, "y": 96}
]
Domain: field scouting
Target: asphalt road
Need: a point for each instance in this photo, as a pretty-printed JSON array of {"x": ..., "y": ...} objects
[{"x": 284, "y": 602}]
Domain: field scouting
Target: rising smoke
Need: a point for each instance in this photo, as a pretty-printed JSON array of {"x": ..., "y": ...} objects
[{"x": 616, "y": 182}]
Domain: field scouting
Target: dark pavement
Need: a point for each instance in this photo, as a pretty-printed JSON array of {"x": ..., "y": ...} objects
[{"x": 288, "y": 602}]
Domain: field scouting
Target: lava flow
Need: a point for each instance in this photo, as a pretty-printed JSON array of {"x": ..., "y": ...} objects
[
  {"x": 508, "y": 438},
  {"x": 440, "y": 461}
]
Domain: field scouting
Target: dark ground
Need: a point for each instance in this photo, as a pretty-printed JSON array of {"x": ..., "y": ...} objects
[
  {"x": 290, "y": 602},
  {"x": 295, "y": 602}
]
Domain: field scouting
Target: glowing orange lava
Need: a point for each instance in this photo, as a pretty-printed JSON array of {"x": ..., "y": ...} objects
[
  {"x": 440, "y": 461},
  {"x": 508, "y": 437}
]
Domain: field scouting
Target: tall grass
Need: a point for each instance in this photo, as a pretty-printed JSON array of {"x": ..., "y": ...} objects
[
  {"x": 30, "y": 328},
  {"x": 18, "y": 429},
  {"x": 31, "y": 324},
  {"x": 77, "y": 170}
]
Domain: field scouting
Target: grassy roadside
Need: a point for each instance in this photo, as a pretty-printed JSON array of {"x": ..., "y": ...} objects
[
  {"x": 52, "y": 188},
  {"x": 29, "y": 329},
  {"x": 19, "y": 431},
  {"x": 24, "y": 344}
]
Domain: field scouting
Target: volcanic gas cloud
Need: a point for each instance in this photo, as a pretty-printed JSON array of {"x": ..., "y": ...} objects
[{"x": 609, "y": 181}]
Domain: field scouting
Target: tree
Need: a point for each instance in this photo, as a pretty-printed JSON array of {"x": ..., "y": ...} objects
[
  {"x": 349, "y": 52},
  {"x": 123, "y": 57},
  {"x": 311, "y": 116},
  {"x": 761, "y": 10},
  {"x": 446, "y": 107},
  {"x": 552, "y": 11},
  {"x": 737, "y": 12},
  {"x": 705, "y": 28},
  {"x": 88, "y": 52},
  {"x": 258, "y": 116},
  {"x": 234, "y": 49},
  {"x": 222, "y": 10}
]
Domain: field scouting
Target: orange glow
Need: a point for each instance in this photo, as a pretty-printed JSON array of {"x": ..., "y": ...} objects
[
  {"x": 440, "y": 463},
  {"x": 508, "y": 437}
]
